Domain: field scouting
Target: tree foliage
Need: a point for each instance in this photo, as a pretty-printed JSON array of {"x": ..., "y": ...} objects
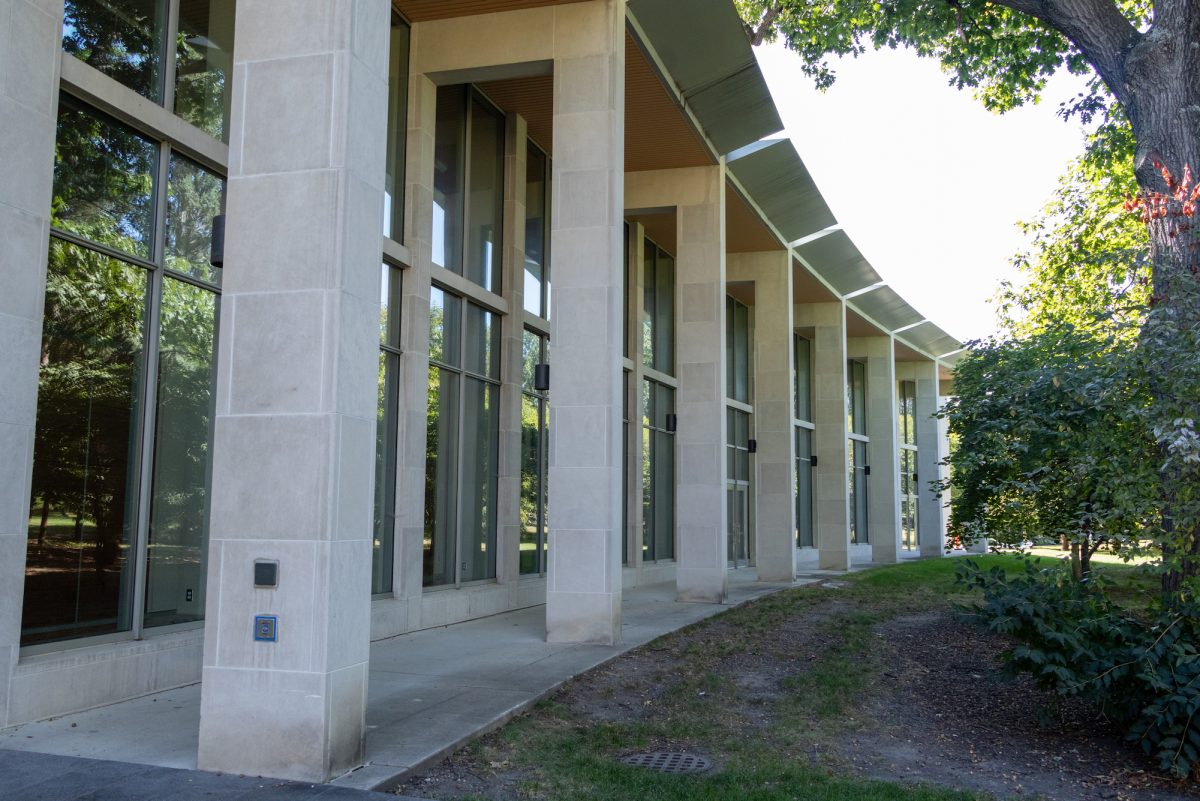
[
  {"x": 1141, "y": 670},
  {"x": 1087, "y": 263},
  {"x": 1003, "y": 55},
  {"x": 1049, "y": 443},
  {"x": 1142, "y": 74}
]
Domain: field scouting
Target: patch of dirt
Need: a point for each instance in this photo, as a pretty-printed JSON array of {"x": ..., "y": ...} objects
[
  {"x": 938, "y": 713},
  {"x": 946, "y": 715}
]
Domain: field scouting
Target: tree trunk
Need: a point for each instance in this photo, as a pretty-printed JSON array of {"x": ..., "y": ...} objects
[
  {"x": 1076, "y": 562},
  {"x": 1163, "y": 105},
  {"x": 1065, "y": 542},
  {"x": 44, "y": 523}
]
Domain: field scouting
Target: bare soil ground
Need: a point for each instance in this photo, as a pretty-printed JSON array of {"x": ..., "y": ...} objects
[
  {"x": 933, "y": 710},
  {"x": 945, "y": 714}
]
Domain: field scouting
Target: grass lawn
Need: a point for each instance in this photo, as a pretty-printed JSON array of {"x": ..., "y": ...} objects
[{"x": 762, "y": 690}]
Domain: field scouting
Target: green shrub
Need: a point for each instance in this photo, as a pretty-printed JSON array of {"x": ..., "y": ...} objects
[{"x": 1074, "y": 640}]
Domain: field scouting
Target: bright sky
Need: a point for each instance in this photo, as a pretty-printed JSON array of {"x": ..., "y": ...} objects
[{"x": 927, "y": 183}]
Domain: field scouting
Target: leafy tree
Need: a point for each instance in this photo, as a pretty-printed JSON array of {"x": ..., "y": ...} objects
[
  {"x": 1087, "y": 264},
  {"x": 1145, "y": 70},
  {"x": 1048, "y": 443}
]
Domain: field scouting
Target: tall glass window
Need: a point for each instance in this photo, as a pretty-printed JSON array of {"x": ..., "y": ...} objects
[
  {"x": 802, "y": 374},
  {"x": 535, "y": 351},
  {"x": 658, "y": 472},
  {"x": 737, "y": 436},
  {"x": 468, "y": 186},
  {"x": 387, "y": 413},
  {"x": 657, "y": 403},
  {"x": 462, "y": 434},
  {"x": 204, "y": 64},
  {"x": 856, "y": 423},
  {"x": 805, "y": 519},
  {"x": 187, "y": 68},
  {"x": 658, "y": 310},
  {"x": 537, "y": 232},
  {"x": 906, "y": 392},
  {"x": 122, "y": 447},
  {"x": 737, "y": 489},
  {"x": 625, "y": 534},
  {"x": 737, "y": 350},
  {"x": 397, "y": 130}
]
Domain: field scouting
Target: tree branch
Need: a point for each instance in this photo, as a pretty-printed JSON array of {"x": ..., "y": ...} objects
[
  {"x": 1096, "y": 27},
  {"x": 757, "y": 35}
]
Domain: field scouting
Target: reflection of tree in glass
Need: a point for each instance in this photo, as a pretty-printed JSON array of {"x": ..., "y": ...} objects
[
  {"x": 203, "y": 56},
  {"x": 194, "y": 197},
  {"x": 118, "y": 37},
  {"x": 436, "y": 338},
  {"x": 87, "y": 393},
  {"x": 103, "y": 180},
  {"x": 183, "y": 422}
]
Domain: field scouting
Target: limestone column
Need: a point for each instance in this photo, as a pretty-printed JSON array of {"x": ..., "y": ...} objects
[
  {"x": 30, "y": 32},
  {"x": 583, "y": 595},
  {"x": 512, "y": 331},
  {"x": 775, "y": 462},
  {"x": 831, "y": 479},
  {"x": 931, "y": 515},
  {"x": 883, "y": 485},
  {"x": 701, "y": 571},
  {"x": 296, "y": 392}
]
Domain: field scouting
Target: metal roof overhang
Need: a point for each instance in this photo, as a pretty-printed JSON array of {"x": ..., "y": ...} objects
[
  {"x": 719, "y": 79},
  {"x": 839, "y": 262},
  {"x": 931, "y": 339},
  {"x": 773, "y": 174},
  {"x": 885, "y": 306}
]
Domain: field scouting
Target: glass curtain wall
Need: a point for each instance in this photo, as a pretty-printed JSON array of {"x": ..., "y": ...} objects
[
  {"x": 737, "y": 454},
  {"x": 658, "y": 310},
  {"x": 119, "y": 504},
  {"x": 626, "y": 535},
  {"x": 738, "y": 375},
  {"x": 802, "y": 375},
  {"x": 658, "y": 404},
  {"x": 856, "y": 423},
  {"x": 383, "y": 542},
  {"x": 658, "y": 472},
  {"x": 390, "y": 302},
  {"x": 906, "y": 392},
  {"x": 462, "y": 431},
  {"x": 468, "y": 186},
  {"x": 534, "y": 423},
  {"x": 175, "y": 54},
  {"x": 537, "y": 232},
  {"x": 397, "y": 137}
]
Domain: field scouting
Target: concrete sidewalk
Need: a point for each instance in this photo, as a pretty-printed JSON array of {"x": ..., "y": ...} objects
[
  {"x": 430, "y": 691},
  {"x": 26, "y": 776}
]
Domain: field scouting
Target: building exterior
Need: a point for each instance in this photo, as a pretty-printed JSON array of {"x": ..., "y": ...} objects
[{"x": 515, "y": 305}]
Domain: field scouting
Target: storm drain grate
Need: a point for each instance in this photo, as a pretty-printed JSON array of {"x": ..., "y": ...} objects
[{"x": 668, "y": 762}]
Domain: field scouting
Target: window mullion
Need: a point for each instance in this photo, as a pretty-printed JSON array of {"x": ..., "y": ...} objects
[
  {"x": 168, "y": 55},
  {"x": 144, "y": 469},
  {"x": 465, "y": 194},
  {"x": 462, "y": 446}
]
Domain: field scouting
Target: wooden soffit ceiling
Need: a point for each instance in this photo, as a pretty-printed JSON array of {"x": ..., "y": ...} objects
[
  {"x": 859, "y": 326},
  {"x": 806, "y": 288},
  {"x": 657, "y": 135},
  {"x": 906, "y": 354},
  {"x": 424, "y": 10},
  {"x": 744, "y": 231}
]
